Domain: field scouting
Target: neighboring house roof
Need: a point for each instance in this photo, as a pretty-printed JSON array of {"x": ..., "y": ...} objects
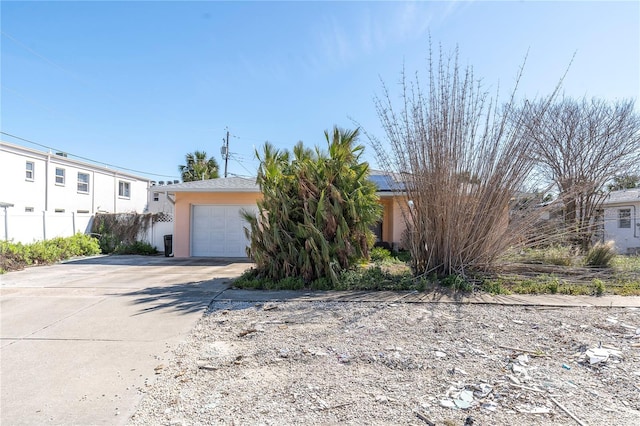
[
  {"x": 61, "y": 157},
  {"x": 229, "y": 184},
  {"x": 623, "y": 196}
]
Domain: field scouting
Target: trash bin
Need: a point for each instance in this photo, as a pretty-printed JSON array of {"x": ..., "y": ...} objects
[{"x": 168, "y": 245}]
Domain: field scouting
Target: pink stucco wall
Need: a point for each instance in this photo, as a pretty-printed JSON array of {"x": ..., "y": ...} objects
[
  {"x": 393, "y": 224},
  {"x": 184, "y": 201},
  {"x": 392, "y": 228}
]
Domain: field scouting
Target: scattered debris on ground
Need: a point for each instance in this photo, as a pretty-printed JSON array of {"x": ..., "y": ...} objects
[{"x": 401, "y": 363}]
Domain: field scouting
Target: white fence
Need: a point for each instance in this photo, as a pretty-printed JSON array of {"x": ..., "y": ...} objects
[
  {"x": 155, "y": 234},
  {"x": 29, "y": 227}
]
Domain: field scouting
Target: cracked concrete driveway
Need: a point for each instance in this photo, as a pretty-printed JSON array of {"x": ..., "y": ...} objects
[{"x": 80, "y": 341}]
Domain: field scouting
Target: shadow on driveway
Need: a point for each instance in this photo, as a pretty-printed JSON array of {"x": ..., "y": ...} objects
[
  {"x": 186, "y": 298},
  {"x": 138, "y": 260}
]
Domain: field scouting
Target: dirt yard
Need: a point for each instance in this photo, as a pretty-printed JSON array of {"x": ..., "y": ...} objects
[{"x": 365, "y": 363}]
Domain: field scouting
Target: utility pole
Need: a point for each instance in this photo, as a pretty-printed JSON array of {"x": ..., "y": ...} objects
[{"x": 225, "y": 152}]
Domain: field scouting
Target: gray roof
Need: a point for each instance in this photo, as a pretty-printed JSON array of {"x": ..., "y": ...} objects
[
  {"x": 624, "y": 196},
  {"x": 383, "y": 181},
  {"x": 229, "y": 184}
]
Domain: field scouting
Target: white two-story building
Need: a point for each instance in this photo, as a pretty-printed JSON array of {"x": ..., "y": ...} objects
[{"x": 47, "y": 194}]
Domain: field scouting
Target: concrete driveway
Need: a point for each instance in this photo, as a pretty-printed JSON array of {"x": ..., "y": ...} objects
[{"x": 80, "y": 340}]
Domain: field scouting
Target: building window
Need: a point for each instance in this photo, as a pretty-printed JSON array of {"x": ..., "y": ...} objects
[
  {"x": 59, "y": 176},
  {"x": 83, "y": 182},
  {"x": 28, "y": 209},
  {"x": 156, "y": 196},
  {"x": 124, "y": 189},
  {"x": 83, "y": 211},
  {"x": 30, "y": 170},
  {"x": 59, "y": 210},
  {"x": 624, "y": 218}
]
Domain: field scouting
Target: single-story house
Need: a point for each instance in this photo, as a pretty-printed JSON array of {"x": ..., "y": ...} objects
[
  {"x": 208, "y": 221},
  {"x": 622, "y": 220}
]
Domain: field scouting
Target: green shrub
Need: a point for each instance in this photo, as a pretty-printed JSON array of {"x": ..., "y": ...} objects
[
  {"x": 598, "y": 287},
  {"x": 494, "y": 287},
  {"x": 365, "y": 279},
  {"x": 601, "y": 255},
  {"x": 137, "y": 247},
  {"x": 15, "y": 256},
  {"x": 321, "y": 284},
  {"x": 379, "y": 254},
  {"x": 457, "y": 283},
  {"x": 250, "y": 280},
  {"x": 43, "y": 252},
  {"x": 403, "y": 256},
  {"x": 289, "y": 283}
]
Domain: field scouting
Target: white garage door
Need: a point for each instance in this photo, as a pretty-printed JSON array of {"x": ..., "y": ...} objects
[{"x": 218, "y": 231}]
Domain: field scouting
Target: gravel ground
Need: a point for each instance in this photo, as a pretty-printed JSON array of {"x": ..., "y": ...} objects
[{"x": 362, "y": 363}]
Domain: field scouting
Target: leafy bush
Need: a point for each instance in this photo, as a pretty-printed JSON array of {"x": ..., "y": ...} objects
[
  {"x": 137, "y": 247},
  {"x": 598, "y": 287},
  {"x": 372, "y": 278},
  {"x": 601, "y": 255},
  {"x": 289, "y": 283},
  {"x": 321, "y": 284},
  {"x": 15, "y": 256},
  {"x": 494, "y": 287},
  {"x": 403, "y": 256},
  {"x": 380, "y": 254},
  {"x": 457, "y": 282}
]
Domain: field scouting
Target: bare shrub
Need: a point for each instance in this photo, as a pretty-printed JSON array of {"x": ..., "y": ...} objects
[{"x": 463, "y": 166}]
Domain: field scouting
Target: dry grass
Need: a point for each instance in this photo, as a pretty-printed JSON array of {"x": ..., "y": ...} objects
[{"x": 522, "y": 275}]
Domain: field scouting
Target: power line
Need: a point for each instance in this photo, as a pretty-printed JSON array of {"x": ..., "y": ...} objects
[
  {"x": 27, "y": 48},
  {"x": 242, "y": 165},
  {"x": 88, "y": 159},
  {"x": 54, "y": 64}
]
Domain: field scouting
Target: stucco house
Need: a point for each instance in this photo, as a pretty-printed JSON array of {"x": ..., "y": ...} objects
[
  {"x": 53, "y": 195},
  {"x": 622, "y": 220},
  {"x": 208, "y": 222}
]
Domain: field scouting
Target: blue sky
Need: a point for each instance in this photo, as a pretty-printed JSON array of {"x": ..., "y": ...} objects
[{"x": 137, "y": 85}]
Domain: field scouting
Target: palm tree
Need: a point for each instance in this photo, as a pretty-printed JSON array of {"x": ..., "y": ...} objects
[
  {"x": 316, "y": 210},
  {"x": 198, "y": 167}
]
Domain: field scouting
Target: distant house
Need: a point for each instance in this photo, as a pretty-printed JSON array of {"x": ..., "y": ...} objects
[
  {"x": 54, "y": 195},
  {"x": 208, "y": 222},
  {"x": 622, "y": 220}
]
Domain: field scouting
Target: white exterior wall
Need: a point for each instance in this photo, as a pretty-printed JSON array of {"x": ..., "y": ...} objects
[
  {"x": 43, "y": 208},
  {"x": 45, "y": 194},
  {"x": 627, "y": 240},
  {"x": 163, "y": 205},
  {"x": 14, "y": 187}
]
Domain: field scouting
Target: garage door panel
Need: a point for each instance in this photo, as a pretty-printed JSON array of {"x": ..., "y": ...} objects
[{"x": 218, "y": 230}]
